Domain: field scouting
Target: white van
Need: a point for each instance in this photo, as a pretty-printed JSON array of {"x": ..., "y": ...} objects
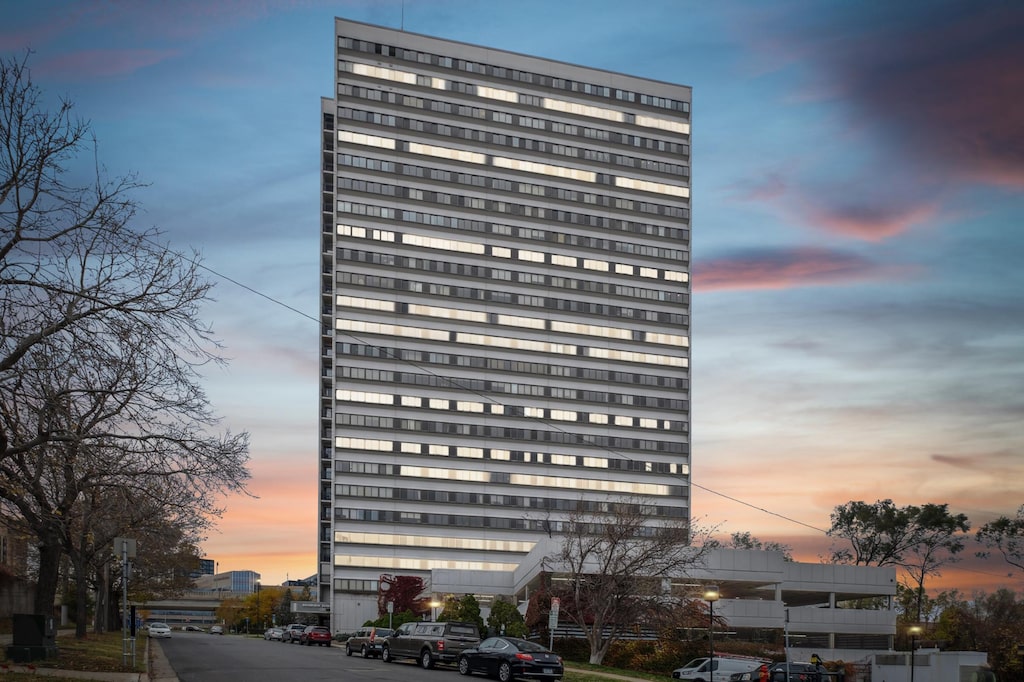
[{"x": 699, "y": 670}]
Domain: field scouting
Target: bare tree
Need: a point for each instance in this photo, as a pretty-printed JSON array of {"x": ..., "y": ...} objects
[
  {"x": 100, "y": 340},
  {"x": 612, "y": 568}
]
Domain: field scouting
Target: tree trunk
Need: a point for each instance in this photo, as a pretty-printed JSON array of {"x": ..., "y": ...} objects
[{"x": 50, "y": 554}]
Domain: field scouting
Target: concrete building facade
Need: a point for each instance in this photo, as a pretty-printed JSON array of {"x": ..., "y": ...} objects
[{"x": 505, "y": 306}]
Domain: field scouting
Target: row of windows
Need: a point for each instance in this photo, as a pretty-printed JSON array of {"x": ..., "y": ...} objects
[
  {"x": 582, "y": 241},
  {"x": 493, "y": 454},
  {"x": 503, "y": 139},
  {"x": 499, "y": 274},
  {"x": 416, "y": 563},
  {"x": 500, "y": 184},
  {"x": 399, "y": 540},
  {"x": 546, "y": 504},
  {"x": 517, "y": 366},
  {"x": 516, "y": 164},
  {"x": 499, "y": 319},
  {"x": 495, "y": 341},
  {"x": 647, "y": 229},
  {"x": 508, "y": 433},
  {"x": 363, "y": 446},
  {"x": 501, "y": 72},
  {"x": 562, "y": 128},
  {"x": 513, "y": 209},
  {"x": 476, "y": 407},
  {"x": 508, "y": 388},
  {"x": 347, "y": 280}
]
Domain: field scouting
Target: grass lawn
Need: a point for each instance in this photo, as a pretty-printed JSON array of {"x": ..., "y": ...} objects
[{"x": 97, "y": 653}]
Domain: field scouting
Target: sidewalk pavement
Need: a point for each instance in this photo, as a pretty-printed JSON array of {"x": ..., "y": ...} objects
[{"x": 610, "y": 676}]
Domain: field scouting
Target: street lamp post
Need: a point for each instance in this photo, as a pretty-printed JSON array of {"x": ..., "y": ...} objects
[
  {"x": 711, "y": 596},
  {"x": 433, "y": 609},
  {"x": 914, "y": 631},
  {"x": 257, "y": 606}
]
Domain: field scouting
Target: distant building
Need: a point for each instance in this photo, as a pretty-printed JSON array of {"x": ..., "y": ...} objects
[{"x": 229, "y": 581}]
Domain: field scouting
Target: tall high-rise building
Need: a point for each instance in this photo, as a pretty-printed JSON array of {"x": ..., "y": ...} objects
[{"x": 505, "y": 305}]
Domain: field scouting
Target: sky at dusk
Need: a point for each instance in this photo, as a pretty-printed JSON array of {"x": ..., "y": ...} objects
[{"x": 858, "y": 232}]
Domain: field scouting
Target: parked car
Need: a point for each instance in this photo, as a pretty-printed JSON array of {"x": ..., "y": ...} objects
[
  {"x": 292, "y": 632},
  {"x": 368, "y": 641},
  {"x": 720, "y": 670},
  {"x": 798, "y": 672},
  {"x": 315, "y": 634},
  {"x": 217, "y": 630},
  {"x": 273, "y": 633},
  {"x": 159, "y": 630},
  {"x": 193, "y": 628},
  {"x": 510, "y": 658},
  {"x": 430, "y": 643}
]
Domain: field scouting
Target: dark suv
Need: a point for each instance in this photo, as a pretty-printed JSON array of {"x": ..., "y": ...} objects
[
  {"x": 368, "y": 641},
  {"x": 430, "y": 643}
]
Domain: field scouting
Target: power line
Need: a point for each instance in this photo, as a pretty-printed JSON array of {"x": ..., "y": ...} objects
[{"x": 487, "y": 397}]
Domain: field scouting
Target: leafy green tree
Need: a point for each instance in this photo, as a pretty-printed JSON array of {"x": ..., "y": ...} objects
[
  {"x": 506, "y": 619},
  {"x": 919, "y": 540},
  {"x": 745, "y": 540},
  {"x": 1007, "y": 536}
]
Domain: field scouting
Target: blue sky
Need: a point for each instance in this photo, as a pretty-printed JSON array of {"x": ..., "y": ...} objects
[{"x": 858, "y": 322}]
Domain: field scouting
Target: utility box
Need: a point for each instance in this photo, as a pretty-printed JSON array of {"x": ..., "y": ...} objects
[{"x": 34, "y": 638}]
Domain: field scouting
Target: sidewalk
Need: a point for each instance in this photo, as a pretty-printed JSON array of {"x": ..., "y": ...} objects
[{"x": 610, "y": 676}]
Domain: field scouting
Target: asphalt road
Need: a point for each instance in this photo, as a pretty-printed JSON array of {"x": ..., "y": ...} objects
[{"x": 199, "y": 657}]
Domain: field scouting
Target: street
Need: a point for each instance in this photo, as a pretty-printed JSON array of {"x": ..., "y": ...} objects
[{"x": 200, "y": 657}]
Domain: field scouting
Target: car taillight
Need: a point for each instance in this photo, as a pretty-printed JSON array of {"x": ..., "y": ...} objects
[
  {"x": 440, "y": 645},
  {"x": 524, "y": 657}
]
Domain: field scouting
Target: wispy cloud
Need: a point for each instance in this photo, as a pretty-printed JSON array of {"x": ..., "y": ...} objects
[
  {"x": 88, "y": 64},
  {"x": 787, "y": 269}
]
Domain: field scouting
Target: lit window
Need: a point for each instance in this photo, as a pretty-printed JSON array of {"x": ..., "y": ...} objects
[
  {"x": 583, "y": 110},
  {"x": 598, "y": 418},
  {"x": 501, "y": 252},
  {"x": 443, "y": 244},
  {"x": 598, "y": 265},
  {"x": 667, "y": 339},
  {"x": 518, "y": 321},
  {"x": 531, "y": 256},
  {"x": 623, "y": 269},
  {"x": 673, "y": 276},
  {"x": 647, "y": 186},
  {"x": 365, "y": 303},
  {"x": 363, "y": 444},
  {"x": 497, "y": 93},
  {"x": 566, "y": 261},
  {"x": 368, "y": 140},
  {"x": 630, "y": 356},
  {"x": 412, "y": 401},
  {"x": 384, "y": 74},
  {"x": 446, "y": 153},
  {"x": 545, "y": 169},
  {"x": 663, "y": 124},
  {"x": 649, "y": 272}
]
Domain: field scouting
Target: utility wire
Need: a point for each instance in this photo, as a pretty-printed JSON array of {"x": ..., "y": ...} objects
[{"x": 487, "y": 397}]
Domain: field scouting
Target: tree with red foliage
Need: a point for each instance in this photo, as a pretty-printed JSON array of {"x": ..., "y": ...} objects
[{"x": 404, "y": 592}]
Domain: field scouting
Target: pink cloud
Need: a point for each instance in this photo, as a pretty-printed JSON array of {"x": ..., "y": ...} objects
[
  {"x": 87, "y": 64},
  {"x": 869, "y": 220},
  {"x": 789, "y": 269}
]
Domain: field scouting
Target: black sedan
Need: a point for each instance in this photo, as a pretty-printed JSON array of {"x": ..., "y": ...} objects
[{"x": 509, "y": 658}]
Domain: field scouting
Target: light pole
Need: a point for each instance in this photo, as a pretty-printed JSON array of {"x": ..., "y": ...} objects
[
  {"x": 433, "y": 609},
  {"x": 711, "y": 595},
  {"x": 914, "y": 631}
]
